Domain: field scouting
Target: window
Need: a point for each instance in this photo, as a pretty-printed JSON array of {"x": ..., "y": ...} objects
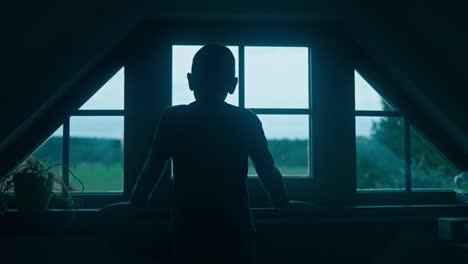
[
  {"x": 276, "y": 77},
  {"x": 273, "y": 83},
  {"x": 96, "y": 152},
  {"x": 90, "y": 142},
  {"x": 50, "y": 151},
  {"x": 429, "y": 169},
  {"x": 289, "y": 147},
  {"x": 95, "y": 140},
  {"x": 276, "y": 70},
  {"x": 390, "y": 153}
]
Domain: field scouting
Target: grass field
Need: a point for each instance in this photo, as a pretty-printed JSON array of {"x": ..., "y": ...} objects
[
  {"x": 109, "y": 178},
  {"x": 99, "y": 177}
]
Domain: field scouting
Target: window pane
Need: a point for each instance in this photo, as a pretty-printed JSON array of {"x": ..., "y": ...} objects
[
  {"x": 110, "y": 96},
  {"x": 276, "y": 77},
  {"x": 96, "y": 153},
  {"x": 429, "y": 170},
  {"x": 182, "y": 57},
  {"x": 366, "y": 97},
  {"x": 380, "y": 153},
  {"x": 51, "y": 150},
  {"x": 288, "y": 142}
]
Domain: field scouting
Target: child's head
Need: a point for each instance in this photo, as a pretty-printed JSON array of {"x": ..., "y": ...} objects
[{"x": 213, "y": 74}]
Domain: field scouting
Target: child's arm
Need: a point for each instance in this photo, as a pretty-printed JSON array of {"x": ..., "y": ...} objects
[
  {"x": 154, "y": 167},
  {"x": 269, "y": 175}
]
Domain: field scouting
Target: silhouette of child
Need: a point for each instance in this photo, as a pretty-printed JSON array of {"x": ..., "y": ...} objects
[{"x": 209, "y": 142}]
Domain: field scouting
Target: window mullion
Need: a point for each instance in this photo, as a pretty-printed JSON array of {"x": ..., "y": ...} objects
[
  {"x": 66, "y": 154},
  {"x": 377, "y": 113},
  {"x": 310, "y": 114},
  {"x": 407, "y": 149},
  {"x": 241, "y": 76},
  {"x": 100, "y": 112},
  {"x": 279, "y": 111}
]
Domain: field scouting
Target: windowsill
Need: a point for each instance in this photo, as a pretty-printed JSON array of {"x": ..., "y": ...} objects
[
  {"x": 366, "y": 201},
  {"x": 345, "y": 220},
  {"x": 304, "y": 189},
  {"x": 379, "y": 214},
  {"x": 404, "y": 191},
  {"x": 262, "y": 209}
]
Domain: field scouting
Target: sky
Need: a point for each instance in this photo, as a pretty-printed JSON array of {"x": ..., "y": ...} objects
[{"x": 268, "y": 84}]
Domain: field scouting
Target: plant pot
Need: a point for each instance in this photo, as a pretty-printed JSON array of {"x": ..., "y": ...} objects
[{"x": 32, "y": 192}]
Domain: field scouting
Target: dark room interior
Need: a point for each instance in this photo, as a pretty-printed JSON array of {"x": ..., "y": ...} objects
[{"x": 362, "y": 104}]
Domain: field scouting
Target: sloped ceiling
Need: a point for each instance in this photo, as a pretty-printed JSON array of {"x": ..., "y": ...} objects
[
  {"x": 422, "y": 46},
  {"x": 49, "y": 45}
]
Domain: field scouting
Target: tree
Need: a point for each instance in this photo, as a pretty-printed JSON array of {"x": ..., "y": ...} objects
[{"x": 428, "y": 167}]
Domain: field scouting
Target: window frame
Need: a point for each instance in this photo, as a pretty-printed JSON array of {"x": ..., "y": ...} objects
[
  {"x": 290, "y": 34},
  {"x": 283, "y": 111},
  {"x": 411, "y": 195},
  {"x": 272, "y": 111},
  {"x": 149, "y": 56},
  {"x": 406, "y": 146},
  {"x": 60, "y": 112},
  {"x": 66, "y": 149},
  {"x": 114, "y": 195},
  {"x": 66, "y": 145}
]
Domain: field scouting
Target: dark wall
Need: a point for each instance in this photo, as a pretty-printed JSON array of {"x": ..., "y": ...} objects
[
  {"x": 421, "y": 46},
  {"x": 302, "y": 236},
  {"x": 49, "y": 47},
  {"x": 58, "y": 44},
  {"x": 323, "y": 244}
]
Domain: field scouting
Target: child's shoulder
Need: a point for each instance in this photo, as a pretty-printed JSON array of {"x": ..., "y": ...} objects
[
  {"x": 175, "y": 109},
  {"x": 243, "y": 113},
  {"x": 173, "y": 113}
]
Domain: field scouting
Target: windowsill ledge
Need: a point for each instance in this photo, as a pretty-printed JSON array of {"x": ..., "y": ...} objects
[{"x": 388, "y": 214}]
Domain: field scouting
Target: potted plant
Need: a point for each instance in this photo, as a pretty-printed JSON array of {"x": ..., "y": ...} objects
[{"x": 32, "y": 183}]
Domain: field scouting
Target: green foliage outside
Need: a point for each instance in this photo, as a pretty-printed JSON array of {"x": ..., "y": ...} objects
[
  {"x": 290, "y": 155},
  {"x": 98, "y": 162},
  {"x": 95, "y": 150},
  {"x": 50, "y": 150},
  {"x": 99, "y": 177},
  {"x": 380, "y": 160}
]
